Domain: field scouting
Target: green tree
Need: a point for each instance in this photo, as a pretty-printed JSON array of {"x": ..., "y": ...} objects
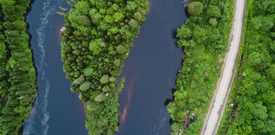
[
  {"x": 271, "y": 72},
  {"x": 213, "y": 21},
  {"x": 95, "y": 46},
  {"x": 104, "y": 79},
  {"x": 85, "y": 86},
  {"x": 195, "y": 8},
  {"x": 213, "y": 11},
  {"x": 88, "y": 71},
  {"x": 184, "y": 32}
]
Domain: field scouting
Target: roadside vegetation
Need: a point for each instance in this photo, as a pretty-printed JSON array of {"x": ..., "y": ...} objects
[
  {"x": 97, "y": 38},
  {"x": 251, "y": 107},
  {"x": 17, "y": 73},
  {"x": 204, "y": 38}
]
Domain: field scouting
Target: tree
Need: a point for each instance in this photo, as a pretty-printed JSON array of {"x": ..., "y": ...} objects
[
  {"x": 259, "y": 111},
  {"x": 85, "y": 86},
  {"x": 195, "y": 8},
  {"x": 95, "y": 46},
  {"x": 213, "y": 21},
  {"x": 104, "y": 79},
  {"x": 7, "y": 2},
  {"x": 88, "y": 71},
  {"x": 118, "y": 16},
  {"x": 213, "y": 11},
  {"x": 121, "y": 49},
  {"x": 271, "y": 72},
  {"x": 184, "y": 32},
  {"x": 262, "y": 23},
  {"x": 260, "y": 60},
  {"x": 2, "y": 50},
  {"x": 100, "y": 98},
  {"x": 82, "y": 7},
  {"x": 272, "y": 46}
]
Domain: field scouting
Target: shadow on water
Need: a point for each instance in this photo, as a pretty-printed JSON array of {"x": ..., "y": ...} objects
[
  {"x": 57, "y": 111},
  {"x": 150, "y": 71}
]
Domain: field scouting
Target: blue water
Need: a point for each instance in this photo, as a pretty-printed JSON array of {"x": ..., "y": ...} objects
[
  {"x": 150, "y": 71},
  {"x": 57, "y": 111}
]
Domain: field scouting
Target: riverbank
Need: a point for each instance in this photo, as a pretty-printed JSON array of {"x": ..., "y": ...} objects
[
  {"x": 251, "y": 104},
  {"x": 17, "y": 72},
  {"x": 96, "y": 42},
  {"x": 204, "y": 38}
]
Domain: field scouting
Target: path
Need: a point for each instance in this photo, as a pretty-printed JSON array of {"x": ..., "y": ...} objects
[{"x": 219, "y": 100}]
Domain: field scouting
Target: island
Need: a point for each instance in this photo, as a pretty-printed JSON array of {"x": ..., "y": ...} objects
[{"x": 96, "y": 41}]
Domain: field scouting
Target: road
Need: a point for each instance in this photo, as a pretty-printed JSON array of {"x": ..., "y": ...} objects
[{"x": 222, "y": 91}]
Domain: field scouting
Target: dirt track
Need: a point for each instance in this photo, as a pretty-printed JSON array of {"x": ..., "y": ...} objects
[{"x": 222, "y": 91}]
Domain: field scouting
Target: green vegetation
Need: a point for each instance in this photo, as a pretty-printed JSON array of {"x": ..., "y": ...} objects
[
  {"x": 251, "y": 107},
  {"x": 17, "y": 74},
  {"x": 204, "y": 38},
  {"x": 97, "y": 39}
]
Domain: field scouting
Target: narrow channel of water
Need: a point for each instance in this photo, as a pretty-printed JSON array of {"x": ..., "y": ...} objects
[
  {"x": 150, "y": 71},
  {"x": 57, "y": 111}
]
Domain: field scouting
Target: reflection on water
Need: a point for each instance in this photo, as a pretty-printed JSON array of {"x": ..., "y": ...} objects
[
  {"x": 152, "y": 63},
  {"x": 129, "y": 95},
  {"x": 150, "y": 71}
]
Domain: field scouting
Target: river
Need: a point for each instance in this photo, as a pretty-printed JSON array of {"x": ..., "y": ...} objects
[
  {"x": 57, "y": 111},
  {"x": 150, "y": 71}
]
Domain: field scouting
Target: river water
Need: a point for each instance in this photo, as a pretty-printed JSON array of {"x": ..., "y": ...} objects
[
  {"x": 150, "y": 71},
  {"x": 57, "y": 111}
]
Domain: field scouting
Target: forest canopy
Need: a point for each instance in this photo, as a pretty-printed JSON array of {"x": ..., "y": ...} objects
[
  {"x": 97, "y": 40},
  {"x": 251, "y": 107},
  {"x": 17, "y": 73}
]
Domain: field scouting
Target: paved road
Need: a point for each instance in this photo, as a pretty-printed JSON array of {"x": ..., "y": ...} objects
[{"x": 223, "y": 87}]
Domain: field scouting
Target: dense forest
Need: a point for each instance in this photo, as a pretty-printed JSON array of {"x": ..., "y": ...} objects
[
  {"x": 251, "y": 107},
  {"x": 96, "y": 41},
  {"x": 204, "y": 38},
  {"x": 17, "y": 74}
]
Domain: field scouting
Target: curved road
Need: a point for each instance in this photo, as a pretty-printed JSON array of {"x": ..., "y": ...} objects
[{"x": 222, "y": 91}]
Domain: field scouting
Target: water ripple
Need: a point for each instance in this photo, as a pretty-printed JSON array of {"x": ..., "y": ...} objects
[{"x": 37, "y": 123}]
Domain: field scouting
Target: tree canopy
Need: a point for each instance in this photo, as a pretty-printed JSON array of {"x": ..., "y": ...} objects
[
  {"x": 17, "y": 74},
  {"x": 251, "y": 107},
  {"x": 195, "y": 8},
  {"x": 97, "y": 39}
]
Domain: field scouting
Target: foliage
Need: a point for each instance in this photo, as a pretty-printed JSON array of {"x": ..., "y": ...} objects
[
  {"x": 17, "y": 74},
  {"x": 195, "y": 8},
  {"x": 251, "y": 107},
  {"x": 204, "y": 43},
  {"x": 97, "y": 39}
]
